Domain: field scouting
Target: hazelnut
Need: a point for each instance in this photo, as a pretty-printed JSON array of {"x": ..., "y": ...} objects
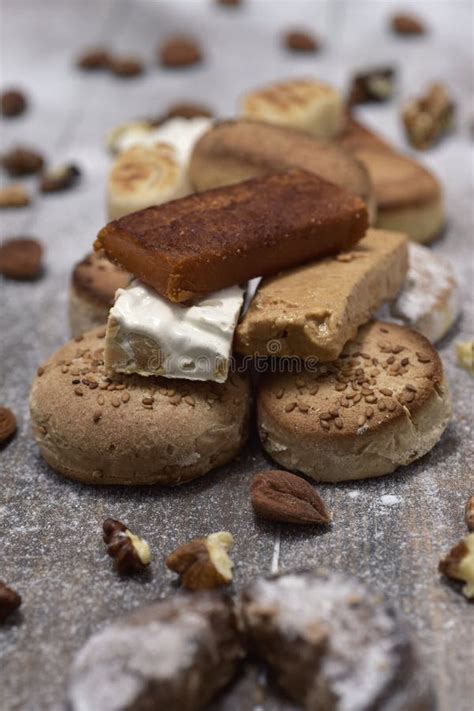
[
  {"x": 459, "y": 564},
  {"x": 203, "y": 563},
  {"x": 93, "y": 59},
  {"x": 126, "y": 66},
  {"x": 131, "y": 553},
  {"x": 22, "y": 161},
  {"x": 9, "y": 601},
  {"x": 12, "y": 103}
]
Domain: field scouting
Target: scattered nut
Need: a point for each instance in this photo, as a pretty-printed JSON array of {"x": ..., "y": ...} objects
[
  {"x": 407, "y": 25},
  {"x": 22, "y": 161},
  {"x": 9, "y": 601},
  {"x": 14, "y": 196},
  {"x": 229, "y": 3},
  {"x": 465, "y": 353},
  {"x": 131, "y": 553},
  {"x": 300, "y": 41},
  {"x": 203, "y": 563},
  {"x": 281, "y": 496},
  {"x": 12, "y": 103},
  {"x": 94, "y": 58},
  {"x": 60, "y": 178},
  {"x": 21, "y": 258},
  {"x": 179, "y": 52},
  {"x": 7, "y": 424},
  {"x": 185, "y": 110},
  {"x": 373, "y": 85},
  {"x": 469, "y": 513},
  {"x": 428, "y": 118},
  {"x": 126, "y": 67},
  {"x": 459, "y": 564}
]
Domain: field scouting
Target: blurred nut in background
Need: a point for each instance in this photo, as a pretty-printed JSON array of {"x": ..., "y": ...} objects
[
  {"x": 131, "y": 553},
  {"x": 203, "y": 563},
  {"x": 126, "y": 67},
  {"x": 374, "y": 85},
  {"x": 407, "y": 25},
  {"x": 22, "y": 161},
  {"x": 459, "y": 564},
  {"x": 429, "y": 118},
  {"x": 14, "y": 195},
  {"x": 61, "y": 178},
  {"x": 186, "y": 110},
  {"x": 299, "y": 41},
  {"x": 9, "y": 601},
  {"x": 7, "y": 424},
  {"x": 93, "y": 59},
  {"x": 12, "y": 103},
  {"x": 179, "y": 51},
  {"x": 21, "y": 258}
]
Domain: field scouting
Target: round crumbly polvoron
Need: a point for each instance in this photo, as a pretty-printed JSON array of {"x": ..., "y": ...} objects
[
  {"x": 332, "y": 643},
  {"x": 101, "y": 428},
  {"x": 382, "y": 404},
  {"x": 429, "y": 299},
  {"x": 94, "y": 282}
]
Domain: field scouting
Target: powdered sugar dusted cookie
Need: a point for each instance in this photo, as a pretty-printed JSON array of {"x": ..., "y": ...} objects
[
  {"x": 382, "y": 404},
  {"x": 429, "y": 300},
  {"x": 174, "y": 654},
  {"x": 333, "y": 644}
]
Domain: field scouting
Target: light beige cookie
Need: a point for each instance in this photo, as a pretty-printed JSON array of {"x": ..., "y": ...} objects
[
  {"x": 315, "y": 309},
  {"x": 233, "y": 151},
  {"x": 94, "y": 282},
  {"x": 142, "y": 176},
  {"x": 305, "y": 104},
  {"x": 429, "y": 300},
  {"x": 384, "y": 403},
  {"x": 409, "y": 198},
  {"x": 101, "y": 428}
]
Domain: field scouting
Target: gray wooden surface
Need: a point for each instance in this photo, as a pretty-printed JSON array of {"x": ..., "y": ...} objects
[{"x": 389, "y": 532}]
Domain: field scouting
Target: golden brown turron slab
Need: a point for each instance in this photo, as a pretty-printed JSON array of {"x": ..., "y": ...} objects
[
  {"x": 384, "y": 403},
  {"x": 233, "y": 151},
  {"x": 202, "y": 243},
  {"x": 315, "y": 309}
]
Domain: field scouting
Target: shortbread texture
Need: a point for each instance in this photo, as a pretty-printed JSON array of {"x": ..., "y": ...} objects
[
  {"x": 382, "y": 404},
  {"x": 100, "y": 428}
]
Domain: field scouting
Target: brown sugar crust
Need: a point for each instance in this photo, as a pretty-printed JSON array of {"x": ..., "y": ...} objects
[
  {"x": 232, "y": 151},
  {"x": 202, "y": 243},
  {"x": 96, "y": 279},
  {"x": 383, "y": 403},
  {"x": 100, "y": 428}
]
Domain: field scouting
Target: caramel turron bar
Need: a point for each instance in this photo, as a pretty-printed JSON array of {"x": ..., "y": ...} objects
[{"x": 187, "y": 248}]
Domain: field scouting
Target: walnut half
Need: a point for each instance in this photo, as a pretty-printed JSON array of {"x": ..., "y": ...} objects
[
  {"x": 131, "y": 553},
  {"x": 204, "y": 562},
  {"x": 459, "y": 564}
]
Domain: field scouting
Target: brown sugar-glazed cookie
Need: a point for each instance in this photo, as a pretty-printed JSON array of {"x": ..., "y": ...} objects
[
  {"x": 333, "y": 644},
  {"x": 382, "y": 404},
  {"x": 175, "y": 654},
  {"x": 100, "y": 428},
  {"x": 93, "y": 285},
  {"x": 409, "y": 198}
]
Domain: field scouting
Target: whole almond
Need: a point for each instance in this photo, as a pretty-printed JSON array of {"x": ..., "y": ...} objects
[
  {"x": 469, "y": 513},
  {"x": 281, "y": 496}
]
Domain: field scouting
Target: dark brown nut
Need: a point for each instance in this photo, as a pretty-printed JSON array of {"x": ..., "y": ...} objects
[
  {"x": 21, "y": 258},
  {"x": 429, "y": 118},
  {"x": 22, "y": 161},
  {"x": 374, "y": 85},
  {"x": 299, "y": 41},
  {"x": 9, "y": 601},
  {"x": 229, "y": 3},
  {"x": 61, "y": 178},
  {"x": 93, "y": 59},
  {"x": 407, "y": 25},
  {"x": 131, "y": 553},
  {"x": 126, "y": 67},
  {"x": 179, "y": 52},
  {"x": 14, "y": 195},
  {"x": 183, "y": 110},
  {"x": 203, "y": 564},
  {"x": 7, "y": 424},
  {"x": 12, "y": 103},
  {"x": 459, "y": 564},
  {"x": 281, "y": 496},
  {"x": 328, "y": 639},
  {"x": 469, "y": 513},
  {"x": 173, "y": 655}
]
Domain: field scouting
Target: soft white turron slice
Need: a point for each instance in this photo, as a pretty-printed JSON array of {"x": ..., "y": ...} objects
[{"x": 149, "y": 335}]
